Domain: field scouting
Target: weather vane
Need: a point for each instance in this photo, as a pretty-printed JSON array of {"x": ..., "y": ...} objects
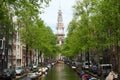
[{"x": 59, "y": 4}]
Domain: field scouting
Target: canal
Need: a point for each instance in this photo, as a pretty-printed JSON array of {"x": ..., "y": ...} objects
[{"x": 61, "y": 72}]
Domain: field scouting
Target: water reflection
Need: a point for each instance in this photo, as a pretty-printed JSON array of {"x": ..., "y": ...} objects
[{"x": 61, "y": 72}]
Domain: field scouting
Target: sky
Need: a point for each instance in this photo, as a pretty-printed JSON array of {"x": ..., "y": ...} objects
[{"x": 50, "y": 13}]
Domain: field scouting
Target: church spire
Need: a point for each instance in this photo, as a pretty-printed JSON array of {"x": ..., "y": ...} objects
[
  {"x": 59, "y": 4},
  {"x": 60, "y": 28}
]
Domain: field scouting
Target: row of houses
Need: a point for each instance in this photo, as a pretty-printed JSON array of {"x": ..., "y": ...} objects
[{"x": 14, "y": 54}]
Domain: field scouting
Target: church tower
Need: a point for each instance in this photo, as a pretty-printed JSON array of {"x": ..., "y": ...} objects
[{"x": 60, "y": 28}]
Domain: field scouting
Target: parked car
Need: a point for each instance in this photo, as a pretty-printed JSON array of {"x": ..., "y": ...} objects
[
  {"x": 87, "y": 64},
  {"x": 104, "y": 69},
  {"x": 8, "y": 74},
  {"x": 19, "y": 70},
  {"x": 78, "y": 64},
  {"x": 34, "y": 66},
  {"x": 30, "y": 67},
  {"x": 94, "y": 69},
  {"x": 49, "y": 66}
]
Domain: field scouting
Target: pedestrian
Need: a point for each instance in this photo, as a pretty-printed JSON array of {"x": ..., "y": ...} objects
[
  {"x": 79, "y": 69},
  {"x": 116, "y": 77},
  {"x": 110, "y": 76},
  {"x": 82, "y": 73},
  {"x": 86, "y": 77}
]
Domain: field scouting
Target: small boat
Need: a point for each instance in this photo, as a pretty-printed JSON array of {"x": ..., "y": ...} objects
[
  {"x": 60, "y": 61},
  {"x": 32, "y": 75}
]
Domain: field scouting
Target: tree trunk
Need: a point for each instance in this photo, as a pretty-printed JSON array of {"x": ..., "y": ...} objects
[
  {"x": 31, "y": 57},
  {"x": 6, "y": 55},
  {"x": 26, "y": 55}
]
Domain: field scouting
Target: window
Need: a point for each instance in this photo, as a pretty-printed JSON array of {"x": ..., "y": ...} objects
[
  {"x": 1, "y": 44},
  {"x": 106, "y": 67}
]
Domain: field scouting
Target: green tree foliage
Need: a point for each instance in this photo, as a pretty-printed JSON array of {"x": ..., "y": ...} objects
[
  {"x": 81, "y": 33},
  {"x": 27, "y": 12},
  {"x": 39, "y": 37},
  {"x": 95, "y": 24}
]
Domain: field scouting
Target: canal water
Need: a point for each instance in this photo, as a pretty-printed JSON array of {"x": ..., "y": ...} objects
[{"x": 61, "y": 72}]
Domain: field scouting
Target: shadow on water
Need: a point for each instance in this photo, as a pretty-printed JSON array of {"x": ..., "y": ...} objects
[{"x": 61, "y": 72}]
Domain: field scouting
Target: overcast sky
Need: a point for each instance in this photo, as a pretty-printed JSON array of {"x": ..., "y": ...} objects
[{"x": 51, "y": 12}]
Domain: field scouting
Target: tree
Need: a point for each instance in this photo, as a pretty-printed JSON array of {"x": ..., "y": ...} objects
[
  {"x": 80, "y": 30},
  {"x": 40, "y": 37},
  {"x": 109, "y": 19},
  {"x": 26, "y": 12},
  {"x": 95, "y": 26}
]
